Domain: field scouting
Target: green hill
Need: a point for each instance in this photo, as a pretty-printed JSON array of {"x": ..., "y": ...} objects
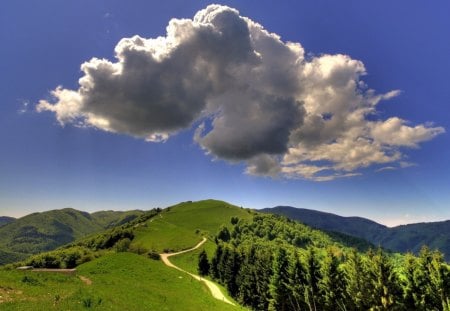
[
  {"x": 39, "y": 232},
  {"x": 4, "y": 220},
  {"x": 123, "y": 280},
  {"x": 263, "y": 262},
  {"x": 181, "y": 226},
  {"x": 404, "y": 238}
]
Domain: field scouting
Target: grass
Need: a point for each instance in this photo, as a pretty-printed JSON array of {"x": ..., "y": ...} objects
[
  {"x": 182, "y": 226},
  {"x": 189, "y": 261},
  {"x": 127, "y": 281},
  {"x": 120, "y": 281}
]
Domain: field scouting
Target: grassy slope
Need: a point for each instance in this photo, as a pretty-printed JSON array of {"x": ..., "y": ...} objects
[
  {"x": 182, "y": 226},
  {"x": 126, "y": 281},
  {"x": 121, "y": 281}
]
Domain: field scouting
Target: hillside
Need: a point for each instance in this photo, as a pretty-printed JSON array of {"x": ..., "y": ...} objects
[
  {"x": 4, "y": 220},
  {"x": 123, "y": 280},
  {"x": 116, "y": 281},
  {"x": 402, "y": 238},
  {"x": 262, "y": 261},
  {"x": 109, "y": 219},
  {"x": 39, "y": 232}
]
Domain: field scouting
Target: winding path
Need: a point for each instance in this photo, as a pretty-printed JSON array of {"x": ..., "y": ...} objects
[{"x": 214, "y": 289}]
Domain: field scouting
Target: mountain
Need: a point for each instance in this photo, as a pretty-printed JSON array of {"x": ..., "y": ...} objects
[
  {"x": 262, "y": 261},
  {"x": 6, "y": 220},
  {"x": 404, "y": 238},
  {"x": 45, "y": 231}
]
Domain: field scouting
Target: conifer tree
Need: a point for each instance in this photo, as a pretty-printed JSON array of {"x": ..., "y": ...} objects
[
  {"x": 332, "y": 284},
  {"x": 412, "y": 290},
  {"x": 215, "y": 262},
  {"x": 279, "y": 282},
  {"x": 203, "y": 264},
  {"x": 386, "y": 293},
  {"x": 313, "y": 276},
  {"x": 224, "y": 234},
  {"x": 247, "y": 278},
  {"x": 358, "y": 285},
  {"x": 297, "y": 284}
]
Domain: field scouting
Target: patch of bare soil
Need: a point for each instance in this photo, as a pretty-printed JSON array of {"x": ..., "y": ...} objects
[
  {"x": 8, "y": 294},
  {"x": 85, "y": 280}
]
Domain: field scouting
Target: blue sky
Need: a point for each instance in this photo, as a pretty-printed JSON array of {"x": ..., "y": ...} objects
[{"x": 403, "y": 46}]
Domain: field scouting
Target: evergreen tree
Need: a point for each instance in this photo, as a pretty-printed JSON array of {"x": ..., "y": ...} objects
[
  {"x": 428, "y": 278},
  {"x": 313, "y": 276},
  {"x": 224, "y": 234},
  {"x": 297, "y": 284},
  {"x": 215, "y": 262},
  {"x": 279, "y": 282},
  {"x": 263, "y": 272},
  {"x": 358, "y": 285},
  {"x": 332, "y": 284},
  {"x": 247, "y": 278},
  {"x": 386, "y": 294},
  {"x": 231, "y": 270},
  {"x": 203, "y": 264},
  {"x": 411, "y": 287}
]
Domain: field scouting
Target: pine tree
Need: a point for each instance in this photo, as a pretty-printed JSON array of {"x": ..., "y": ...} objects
[
  {"x": 428, "y": 278},
  {"x": 297, "y": 284},
  {"x": 230, "y": 270},
  {"x": 215, "y": 262},
  {"x": 203, "y": 264},
  {"x": 247, "y": 278},
  {"x": 386, "y": 293},
  {"x": 224, "y": 234},
  {"x": 411, "y": 288},
  {"x": 279, "y": 282},
  {"x": 313, "y": 276},
  {"x": 332, "y": 284},
  {"x": 358, "y": 283}
]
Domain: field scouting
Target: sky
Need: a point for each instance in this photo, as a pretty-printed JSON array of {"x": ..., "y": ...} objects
[{"x": 338, "y": 106}]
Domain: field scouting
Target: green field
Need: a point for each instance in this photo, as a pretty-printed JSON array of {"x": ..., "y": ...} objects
[{"x": 120, "y": 281}]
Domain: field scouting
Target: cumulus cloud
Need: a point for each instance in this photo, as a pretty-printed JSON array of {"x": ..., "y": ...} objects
[{"x": 257, "y": 99}]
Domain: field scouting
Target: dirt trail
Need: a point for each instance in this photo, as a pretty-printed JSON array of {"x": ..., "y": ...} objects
[{"x": 215, "y": 291}]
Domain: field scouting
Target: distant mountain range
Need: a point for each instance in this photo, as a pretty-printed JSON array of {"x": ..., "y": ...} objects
[
  {"x": 404, "y": 238},
  {"x": 6, "y": 220},
  {"x": 39, "y": 232}
]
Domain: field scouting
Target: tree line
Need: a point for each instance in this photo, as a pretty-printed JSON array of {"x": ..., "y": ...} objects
[{"x": 264, "y": 272}]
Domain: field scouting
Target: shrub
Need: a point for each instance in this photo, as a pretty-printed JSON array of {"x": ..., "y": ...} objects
[{"x": 153, "y": 255}]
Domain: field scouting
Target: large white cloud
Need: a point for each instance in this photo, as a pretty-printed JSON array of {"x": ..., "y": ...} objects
[{"x": 257, "y": 98}]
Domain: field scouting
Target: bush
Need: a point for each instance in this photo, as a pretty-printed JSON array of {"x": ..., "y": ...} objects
[
  {"x": 123, "y": 245},
  {"x": 153, "y": 255},
  {"x": 138, "y": 249}
]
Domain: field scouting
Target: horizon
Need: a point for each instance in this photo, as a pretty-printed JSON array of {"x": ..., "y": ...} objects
[
  {"x": 335, "y": 107},
  {"x": 390, "y": 222}
]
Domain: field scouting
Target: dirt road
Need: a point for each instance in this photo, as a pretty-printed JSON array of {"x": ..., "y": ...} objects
[{"x": 214, "y": 289}]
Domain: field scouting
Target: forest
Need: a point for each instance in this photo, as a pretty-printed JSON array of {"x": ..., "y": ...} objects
[{"x": 272, "y": 263}]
